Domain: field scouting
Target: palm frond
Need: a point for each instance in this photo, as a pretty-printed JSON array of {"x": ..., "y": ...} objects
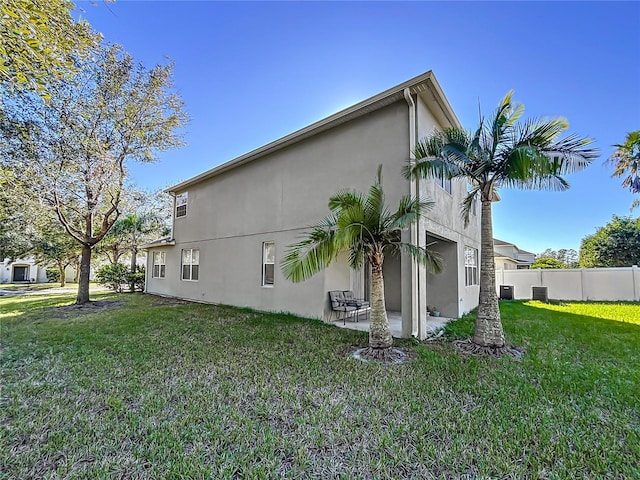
[
  {"x": 345, "y": 199},
  {"x": 467, "y": 203},
  {"x": 359, "y": 225},
  {"x": 544, "y": 135},
  {"x": 434, "y": 168},
  {"x": 352, "y": 229},
  {"x": 535, "y": 157},
  {"x": 503, "y": 121},
  {"x": 409, "y": 210},
  {"x": 443, "y": 155},
  {"x": 457, "y": 137},
  {"x": 548, "y": 182},
  {"x": 306, "y": 258},
  {"x": 539, "y": 133},
  {"x": 429, "y": 147},
  {"x": 374, "y": 205},
  {"x": 422, "y": 255}
]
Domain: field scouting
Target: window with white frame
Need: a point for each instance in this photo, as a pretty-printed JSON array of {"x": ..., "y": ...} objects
[
  {"x": 268, "y": 263},
  {"x": 181, "y": 204},
  {"x": 470, "y": 266},
  {"x": 159, "y": 262},
  {"x": 190, "y": 264},
  {"x": 446, "y": 184}
]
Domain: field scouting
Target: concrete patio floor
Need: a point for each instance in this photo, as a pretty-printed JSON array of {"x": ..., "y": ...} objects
[{"x": 395, "y": 323}]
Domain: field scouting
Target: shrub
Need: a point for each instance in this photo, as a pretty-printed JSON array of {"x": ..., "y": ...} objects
[
  {"x": 113, "y": 276},
  {"x": 548, "y": 262},
  {"x": 53, "y": 275},
  {"x": 137, "y": 279}
]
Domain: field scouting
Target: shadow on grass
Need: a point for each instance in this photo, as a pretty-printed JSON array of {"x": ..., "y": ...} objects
[{"x": 14, "y": 306}]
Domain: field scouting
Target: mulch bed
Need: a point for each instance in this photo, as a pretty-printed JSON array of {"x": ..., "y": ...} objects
[
  {"x": 85, "y": 309},
  {"x": 388, "y": 356}
]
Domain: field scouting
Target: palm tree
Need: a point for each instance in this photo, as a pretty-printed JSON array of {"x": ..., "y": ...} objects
[
  {"x": 136, "y": 225},
  {"x": 626, "y": 159},
  {"x": 500, "y": 153},
  {"x": 368, "y": 230}
]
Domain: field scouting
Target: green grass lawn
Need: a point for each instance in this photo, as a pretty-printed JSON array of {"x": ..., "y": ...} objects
[{"x": 153, "y": 389}]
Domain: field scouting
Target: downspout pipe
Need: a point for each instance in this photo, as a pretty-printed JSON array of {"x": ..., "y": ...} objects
[
  {"x": 414, "y": 191},
  {"x": 173, "y": 213}
]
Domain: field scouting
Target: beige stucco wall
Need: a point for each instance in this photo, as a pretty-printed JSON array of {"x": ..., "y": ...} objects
[
  {"x": 392, "y": 283},
  {"x": 276, "y": 197}
]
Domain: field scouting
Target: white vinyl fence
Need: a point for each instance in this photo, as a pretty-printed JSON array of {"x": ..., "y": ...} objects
[{"x": 622, "y": 283}]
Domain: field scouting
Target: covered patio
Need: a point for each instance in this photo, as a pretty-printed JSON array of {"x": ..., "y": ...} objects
[{"x": 395, "y": 323}]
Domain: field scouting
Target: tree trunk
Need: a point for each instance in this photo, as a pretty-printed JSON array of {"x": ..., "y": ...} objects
[
  {"x": 63, "y": 279},
  {"x": 379, "y": 333},
  {"x": 76, "y": 276},
  {"x": 134, "y": 255},
  {"x": 488, "y": 332},
  {"x": 85, "y": 269}
]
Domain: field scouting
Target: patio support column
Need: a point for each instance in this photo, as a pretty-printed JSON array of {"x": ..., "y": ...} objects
[
  {"x": 409, "y": 270},
  {"x": 421, "y": 288},
  {"x": 408, "y": 296}
]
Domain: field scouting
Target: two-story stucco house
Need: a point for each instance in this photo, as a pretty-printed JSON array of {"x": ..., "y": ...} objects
[{"x": 233, "y": 223}]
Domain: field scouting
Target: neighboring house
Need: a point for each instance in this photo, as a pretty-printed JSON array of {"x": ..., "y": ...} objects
[
  {"x": 233, "y": 223},
  {"x": 509, "y": 257},
  {"x": 22, "y": 270},
  {"x": 27, "y": 270}
]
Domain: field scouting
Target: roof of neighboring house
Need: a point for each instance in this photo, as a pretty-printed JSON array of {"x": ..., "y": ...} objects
[
  {"x": 161, "y": 242},
  {"x": 503, "y": 243},
  {"x": 514, "y": 260},
  {"x": 422, "y": 84}
]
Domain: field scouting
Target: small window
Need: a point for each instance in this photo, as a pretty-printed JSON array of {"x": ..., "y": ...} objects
[
  {"x": 446, "y": 184},
  {"x": 268, "y": 263},
  {"x": 159, "y": 262},
  {"x": 181, "y": 204},
  {"x": 470, "y": 266},
  {"x": 190, "y": 264}
]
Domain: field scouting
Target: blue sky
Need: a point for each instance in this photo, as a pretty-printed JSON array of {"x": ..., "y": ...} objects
[{"x": 250, "y": 73}]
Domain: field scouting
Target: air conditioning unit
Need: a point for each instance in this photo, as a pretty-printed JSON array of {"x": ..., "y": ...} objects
[
  {"x": 506, "y": 292},
  {"x": 540, "y": 293}
]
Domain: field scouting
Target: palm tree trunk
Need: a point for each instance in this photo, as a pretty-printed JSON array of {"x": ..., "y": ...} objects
[
  {"x": 85, "y": 269},
  {"x": 379, "y": 333},
  {"x": 488, "y": 332}
]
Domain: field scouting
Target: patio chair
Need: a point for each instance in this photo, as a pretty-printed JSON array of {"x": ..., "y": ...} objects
[
  {"x": 359, "y": 303},
  {"x": 339, "y": 304}
]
